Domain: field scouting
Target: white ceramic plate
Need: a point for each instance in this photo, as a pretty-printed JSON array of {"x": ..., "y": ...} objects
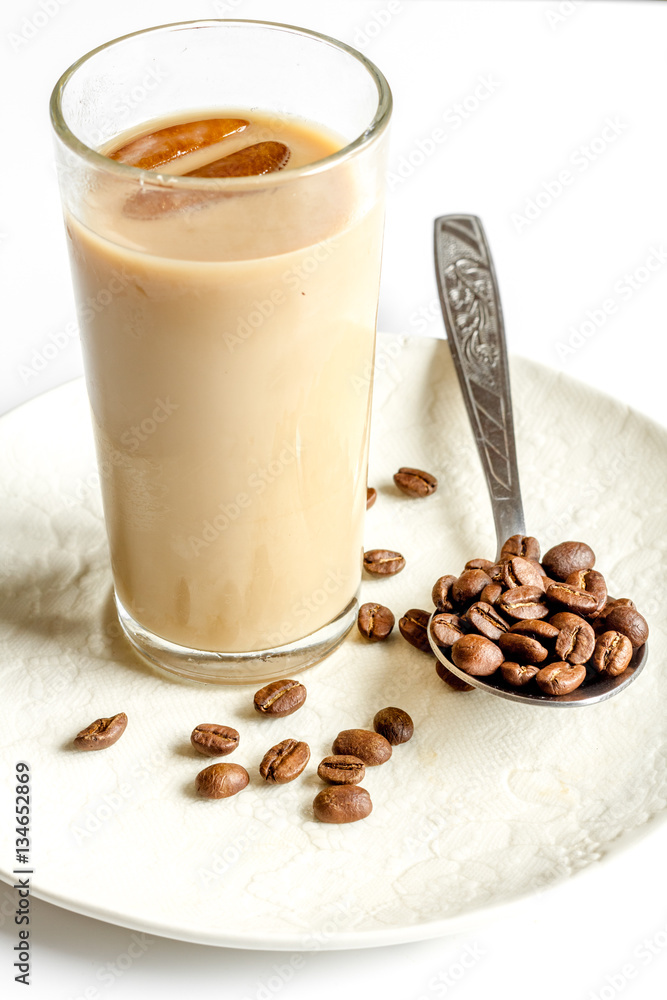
[{"x": 490, "y": 801}]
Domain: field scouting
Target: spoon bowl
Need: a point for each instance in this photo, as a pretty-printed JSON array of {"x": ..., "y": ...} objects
[{"x": 473, "y": 318}]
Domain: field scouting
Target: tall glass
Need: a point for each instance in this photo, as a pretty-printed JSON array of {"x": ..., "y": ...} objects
[{"x": 228, "y": 330}]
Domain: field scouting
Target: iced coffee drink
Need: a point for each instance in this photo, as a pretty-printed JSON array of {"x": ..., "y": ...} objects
[{"x": 229, "y": 375}]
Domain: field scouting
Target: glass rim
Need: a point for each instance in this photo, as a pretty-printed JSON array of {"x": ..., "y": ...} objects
[{"x": 125, "y": 171}]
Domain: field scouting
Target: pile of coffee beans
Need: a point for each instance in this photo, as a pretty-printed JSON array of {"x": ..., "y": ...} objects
[
  {"x": 353, "y": 750},
  {"x": 546, "y": 624}
]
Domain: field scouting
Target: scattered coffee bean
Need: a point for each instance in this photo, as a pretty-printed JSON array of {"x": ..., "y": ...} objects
[
  {"x": 101, "y": 733},
  {"x": 280, "y": 698},
  {"x": 284, "y": 762},
  {"x": 561, "y": 678},
  {"x": 441, "y": 593},
  {"x": 522, "y": 649},
  {"x": 383, "y": 562},
  {"x": 446, "y": 629},
  {"x": 520, "y": 572},
  {"x": 568, "y": 596},
  {"x": 342, "y": 769},
  {"x": 613, "y": 652},
  {"x": 452, "y": 680},
  {"x": 219, "y": 781},
  {"x": 627, "y": 621},
  {"x": 576, "y": 641},
  {"x": 375, "y": 622},
  {"x": 592, "y": 582},
  {"x": 371, "y": 748},
  {"x": 371, "y": 497},
  {"x": 413, "y": 626},
  {"x": 566, "y": 558},
  {"x": 520, "y": 545},
  {"x": 476, "y": 655},
  {"x": 394, "y": 724},
  {"x": 415, "y": 482},
  {"x": 342, "y": 804},
  {"x": 213, "y": 740},
  {"x": 518, "y": 674},
  {"x": 469, "y": 585},
  {"x": 486, "y": 620},
  {"x": 523, "y": 602}
]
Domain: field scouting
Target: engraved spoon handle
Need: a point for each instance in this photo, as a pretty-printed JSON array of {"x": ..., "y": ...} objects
[{"x": 474, "y": 322}]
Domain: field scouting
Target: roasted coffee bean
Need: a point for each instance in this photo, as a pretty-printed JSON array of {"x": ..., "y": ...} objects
[
  {"x": 284, "y": 762},
  {"x": 447, "y": 628},
  {"x": 613, "y": 652},
  {"x": 491, "y": 593},
  {"x": 566, "y": 558},
  {"x": 342, "y": 769},
  {"x": 371, "y": 497},
  {"x": 280, "y": 698},
  {"x": 375, "y": 622},
  {"x": 394, "y": 724},
  {"x": 520, "y": 572},
  {"x": 568, "y": 596},
  {"x": 561, "y": 678},
  {"x": 101, "y": 733},
  {"x": 213, "y": 740},
  {"x": 476, "y": 655},
  {"x": 484, "y": 564},
  {"x": 452, "y": 680},
  {"x": 522, "y": 649},
  {"x": 618, "y": 602},
  {"x": 486, "y": 620},
  {"x": 219, "y": 781},
  {"x": 383, "y": 562},
  {"x": 415, "y": 482},
  {"x": 576, "y": 641},
  {"x": 469, "y": 586},
  {"x": 371, "y": 748},
  {"x": 496, "y": 572},
  {"x": 441, "y": 593},
  {"x": 592, "y": 582},
  {"x": 538, "y": 566},
  {"x": 521, "y": 545},
  {"x": 627, "y": 621},
  {"x": 523, "y": 602},
  {"x": 413, "y": 626},
  {"x": 342, "y": 804},
  {"x": 518, "y": 674},
  {"x": 537, "y": 628},
  {"x": 564, "y": 618}
]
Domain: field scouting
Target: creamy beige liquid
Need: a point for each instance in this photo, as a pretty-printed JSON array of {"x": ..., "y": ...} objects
[{"x": 228, "y": 353}]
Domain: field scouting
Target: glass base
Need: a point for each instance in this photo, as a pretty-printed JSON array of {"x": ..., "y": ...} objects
[{"x": 238, "y": 668}]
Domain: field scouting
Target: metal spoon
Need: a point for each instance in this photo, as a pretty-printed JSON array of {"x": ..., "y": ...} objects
[{"x": 474, "y": 322}]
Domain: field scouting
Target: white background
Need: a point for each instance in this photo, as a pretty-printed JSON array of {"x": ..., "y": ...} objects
[{"x": 517, "y": 93}]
